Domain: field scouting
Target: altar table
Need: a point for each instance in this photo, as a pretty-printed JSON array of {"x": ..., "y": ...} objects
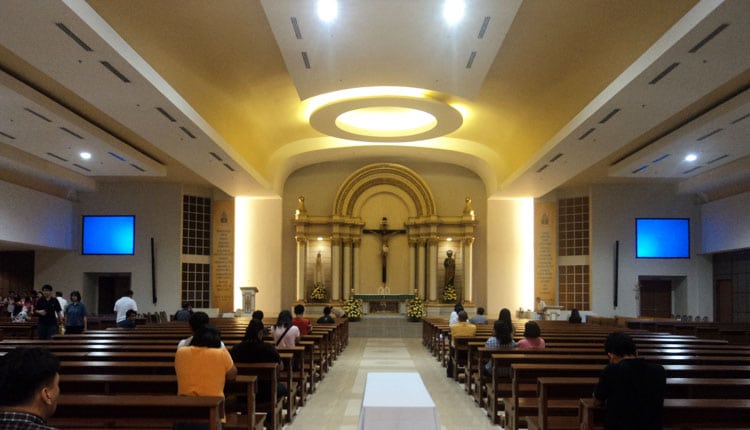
[
  {"x": 397, "y": 401},
  {"x": 391, "y": 303}
]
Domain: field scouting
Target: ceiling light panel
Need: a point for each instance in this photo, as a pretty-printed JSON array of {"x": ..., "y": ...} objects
[{"x": 390, "y": 42}]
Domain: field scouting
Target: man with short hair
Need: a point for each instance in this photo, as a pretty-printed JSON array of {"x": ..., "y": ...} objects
[
  {"x": 479, "y": 318},
  {"x": 47, "y": 308},
  {"x": 122, "y": 306},
  {"x": 197, "y": 321},
  {"x": 631, "y": 387},
  {"x": 30, "y": 381},
  {"x": 299, "y": 320}
]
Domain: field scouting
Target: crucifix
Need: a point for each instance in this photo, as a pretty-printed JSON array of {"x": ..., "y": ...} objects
[{"x": 384, "y": 233}]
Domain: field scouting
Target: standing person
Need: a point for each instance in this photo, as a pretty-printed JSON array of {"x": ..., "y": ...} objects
[
  {"x": 185, "y": 313},
  {"x": 631, "y": 387},
  {"x": 285, "y": 334},
  {"x": 253, "y": 349},
  {"x": 541, "y": 307},
  {"x": 532, "y": 337},
  {"x": 30, "y": 380},
  {"x": 326, "y": 318},
  {"x": 203, "y": 366},
  {"x": 479, "y": 318},
  {"x": 76, "y": 315},
  {"x": 302, "y": 323},
  {"x": 49, "y": 312},
  {"x": 122, "y": 305}
]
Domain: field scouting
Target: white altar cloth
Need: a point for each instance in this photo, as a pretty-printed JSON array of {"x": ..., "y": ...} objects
[{"x": 397, "y": 401}]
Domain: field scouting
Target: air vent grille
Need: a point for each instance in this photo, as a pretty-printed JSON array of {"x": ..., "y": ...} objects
[
  {"x": 73, "y": 36},
  {"x": 7, "y": 135},
  {"x": 216, "y": 156},
  {"x": 115, "y": 72},
  {"x": 483, "y": 30},
  {"x": 691, "y": 170},
  {"x": 541, "y": 169},
  {"x": 186, "y": 131},
  {"x": 640, "y": 169},
  {"x": 743, "y": 117},
  {"x": 664, "y": 73},
  {"x": 609, "y": 116},
  {"x": 166, "y": 114},
  {"x": 228, "y": 167},
  {"x": 661, "y": 158},
  {"x": 295, "y": 27},
  {"x": 82, "y": 167},
  {"x": 721, "y": 157},
  {"x": 116, "y": 156},
  {"x": 57, "y": 156},
  {"x": 706, "y": 136},
  {"x": 305, "y": 59},
  {"x": 137, "y": 167},
  {"x": 71, "y": 132},
  {"x": 37, "y": 114},
  {"x": 472, "y": 56},
  {"x": 585, "y": 135},
  {"x": 556, "y": 157},
  {"x": 708, "y": 38}
]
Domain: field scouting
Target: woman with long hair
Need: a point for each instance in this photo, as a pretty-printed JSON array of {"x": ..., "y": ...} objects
[{"x": 285, "y": 334}]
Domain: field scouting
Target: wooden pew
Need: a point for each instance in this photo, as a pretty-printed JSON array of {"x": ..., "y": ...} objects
[
  {"x": 243, "y": 385},
  {"x": 681, "y": 413},
  {"x": 558, "y": 396},
  {"x": 135, "y": 411}
]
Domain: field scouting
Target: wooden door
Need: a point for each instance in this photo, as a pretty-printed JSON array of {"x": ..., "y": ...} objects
[
  {"x": 656, "y": 298},
  {"x": 724, "y": 291},
  {"x": 111, "y": 287}
]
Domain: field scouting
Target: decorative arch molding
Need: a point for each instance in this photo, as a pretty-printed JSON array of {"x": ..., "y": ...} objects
[{"x": 382, "y": 176}]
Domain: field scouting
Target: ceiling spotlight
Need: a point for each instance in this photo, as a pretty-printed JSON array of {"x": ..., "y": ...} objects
[
  {"x": 691, "y": 157},
  {"x": 327, "y": 10},
  {"x": 85, "y": 155},
  {"x": 320, "y": 238},
  {"x": 453, "y": 11}
]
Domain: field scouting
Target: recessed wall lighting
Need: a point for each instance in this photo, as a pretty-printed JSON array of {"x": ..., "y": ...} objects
[
  {"x": 450, "y": 239},
  {"x": 691, "y": 157},
  {"x": 327, "y": 10},
  {"x": 85, "y": 155},
  {"x": 320, "y": 238},
  {"x": 453, "y": 11}
]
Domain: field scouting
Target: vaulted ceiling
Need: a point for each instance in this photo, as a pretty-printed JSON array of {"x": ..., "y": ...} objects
[{"x": 531, "y": 95}]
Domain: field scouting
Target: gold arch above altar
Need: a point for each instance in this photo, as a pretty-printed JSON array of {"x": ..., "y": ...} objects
[{"x": 383, "y": 234}]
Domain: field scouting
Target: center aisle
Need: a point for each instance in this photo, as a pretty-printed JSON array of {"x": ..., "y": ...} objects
[{"x": 336, "y": 403}]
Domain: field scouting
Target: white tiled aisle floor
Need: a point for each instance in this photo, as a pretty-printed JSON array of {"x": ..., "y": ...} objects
[{"x": 336, "y": 403}]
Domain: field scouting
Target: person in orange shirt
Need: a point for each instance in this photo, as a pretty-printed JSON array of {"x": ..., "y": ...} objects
[
  {"x": 203, "y": 366},
  {"x": 302, "y": 323}
]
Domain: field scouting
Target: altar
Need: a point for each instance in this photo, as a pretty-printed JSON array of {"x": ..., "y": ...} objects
[{"x": 384, "y": 303}]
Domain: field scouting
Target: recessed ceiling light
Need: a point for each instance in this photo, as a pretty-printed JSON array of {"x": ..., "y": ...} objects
[
  {"x": 327, "y": 10},
  {"x": 386, "y": 121},
  {"x": 453, "y": 11},
  {"x": 85, "y": 155},
  {"x": 691, "y": 157},
  {"x": 320, "y": 238},
  {"x": 450, "y": 239}
]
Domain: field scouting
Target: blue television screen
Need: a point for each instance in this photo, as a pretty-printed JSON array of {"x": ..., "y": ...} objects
[
  {"x": 662, "y": 238},
  {"x": 108, "y": 235}
]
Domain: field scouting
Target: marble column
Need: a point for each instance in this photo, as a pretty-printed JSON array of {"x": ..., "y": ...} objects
[
  {"x": 336, "y": 266},
  {"x": 412, "y": 269},
  {"x": 301, "y": 267},
  {"x": 432, "y": 266},
  {"x": 468, "y": 248},
  {"x": 347, "y": 264},
  {"x": 355, "y": 264}
]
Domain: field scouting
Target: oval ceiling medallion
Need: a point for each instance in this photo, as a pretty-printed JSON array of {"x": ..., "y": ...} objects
[{"x": 386, "y": 118}]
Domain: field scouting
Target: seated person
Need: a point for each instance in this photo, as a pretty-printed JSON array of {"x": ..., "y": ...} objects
[
  {"x": 532, "y": 337},
  {"x": 575, "y": 317},
  {"x": 129, "y": 321},
  {"x": 258, "y": 315},
  {"x": 203, "y": 366},
  {"x": 326, "y": 318},
  {"x": 285, "y": 334},
  {"x": 185, "y": 313},
  {"x": 460, "y": 329},
  {"x": 196, "y": 321},
  {"x": 253, "y": 349},
  {"x": 30, "y": 388},
  {"x": 479, "y": 318},
  {"x": 502, "y": 339},
  {"x": 454, "y": 315},
  {"x": 302, "y": 323},
  {"x": 631, "y": 387}
]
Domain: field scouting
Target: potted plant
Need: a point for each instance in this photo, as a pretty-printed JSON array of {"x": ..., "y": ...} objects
[
  {"x": 318, "y": 293},
  {"x": 415, "y": 310},
  {"x": 353, "y": 309}
]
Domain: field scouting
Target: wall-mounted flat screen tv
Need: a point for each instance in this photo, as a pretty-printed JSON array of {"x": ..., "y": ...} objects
[
  {"x": 108, "y": 235},
  {"x": 662, "y": 238}
]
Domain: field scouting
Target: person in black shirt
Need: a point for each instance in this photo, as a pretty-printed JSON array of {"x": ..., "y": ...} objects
[
  {"x": 326, "y": 318},
  {"x": 253, "y": 349},
  {"x": 48, "y": 309},
  {"x": 631, "y": 387}
]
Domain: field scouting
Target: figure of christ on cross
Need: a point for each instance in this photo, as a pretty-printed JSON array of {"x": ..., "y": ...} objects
[{"x": 384, "y": 233}]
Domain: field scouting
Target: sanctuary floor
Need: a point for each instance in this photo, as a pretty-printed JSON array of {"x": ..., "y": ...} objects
[{"x": 382, "y": 344}]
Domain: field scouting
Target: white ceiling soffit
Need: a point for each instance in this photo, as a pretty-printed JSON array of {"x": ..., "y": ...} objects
[
  {"x": 389, "y": 42},
  {"x": 36, "y": 124},
  {"x": 74, "y": 46},
  {"x": 718, "y": 137},
  {"x": 705, "y": 49}
]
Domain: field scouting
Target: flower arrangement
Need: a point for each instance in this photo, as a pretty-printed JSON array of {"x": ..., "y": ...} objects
[
  {"x": 353, "y": 308},
  {"x": 318, "y": 293},
  {"x": 415, "y": 310},
  {"x": 449, "y": 294}
]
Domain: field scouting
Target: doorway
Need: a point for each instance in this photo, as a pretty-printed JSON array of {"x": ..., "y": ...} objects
[
  {"x": 110, "y": 287},
  {"x": 724, "y": 291},
  {"x": 656, "y": 298}
]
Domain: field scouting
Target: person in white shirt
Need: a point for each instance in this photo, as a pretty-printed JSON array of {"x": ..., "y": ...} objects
[
  {"x": 63, "y": 302},
  {"x": 123, "y": 305}
]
